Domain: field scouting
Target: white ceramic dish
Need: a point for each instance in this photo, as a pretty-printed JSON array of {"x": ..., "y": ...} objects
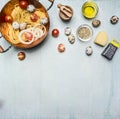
[{"x": 84, "y": 32}]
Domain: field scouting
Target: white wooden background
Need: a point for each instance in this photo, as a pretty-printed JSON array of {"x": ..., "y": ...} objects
[{"x": 69, "y": 85}]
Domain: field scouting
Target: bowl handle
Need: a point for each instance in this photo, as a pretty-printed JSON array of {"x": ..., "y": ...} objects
[
  {"x": 2, "y": 50},
  {"x": 52, "y": 2}
]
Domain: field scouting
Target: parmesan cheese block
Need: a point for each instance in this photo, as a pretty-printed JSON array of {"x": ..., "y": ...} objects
[{"x": 101, "y": 38}]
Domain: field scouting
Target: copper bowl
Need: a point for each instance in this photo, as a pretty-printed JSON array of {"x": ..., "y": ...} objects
[{"x": 8, "y": 9}]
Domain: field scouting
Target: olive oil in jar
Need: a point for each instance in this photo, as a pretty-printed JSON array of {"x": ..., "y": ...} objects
[{"x": 89, "y": 9}]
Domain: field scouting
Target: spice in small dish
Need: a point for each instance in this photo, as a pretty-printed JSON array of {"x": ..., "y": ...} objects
[{"x": 84, "y": 32}]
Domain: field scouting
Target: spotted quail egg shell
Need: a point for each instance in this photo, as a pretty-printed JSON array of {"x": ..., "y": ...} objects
[
  {"x": 71, "y": 37},
  {"x": 89, "y": 50}
]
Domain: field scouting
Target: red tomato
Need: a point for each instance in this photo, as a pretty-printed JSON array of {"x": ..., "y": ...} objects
[
  {"x": 55, "y": 32},
  {"x": 8, "y": 18},
  {"x": 23, "y": 4},
  {"x": 61, "y": 47},
  {"x": 34, "y": 17},
  {"x": 28, "y": 36}
]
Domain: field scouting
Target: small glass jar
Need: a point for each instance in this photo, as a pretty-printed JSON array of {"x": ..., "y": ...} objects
[{"x": 89, "y": 9}]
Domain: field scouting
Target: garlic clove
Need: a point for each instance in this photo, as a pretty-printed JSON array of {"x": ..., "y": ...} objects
[
  {"x": 15, "y": 25},
  {"x": 23, "y": 26},
  {"x": 44, "y": 21},
  {"x": 31, "y": 8}
]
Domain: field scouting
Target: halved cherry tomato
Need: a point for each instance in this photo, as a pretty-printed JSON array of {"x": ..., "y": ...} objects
[
  {"x": 55, "y": 32},
  {"x": 8, "y": 18},
  {"x": 28, "y": 36},
  {"x": 23, "y": 4},
  {"x": 34, "y": 17}
]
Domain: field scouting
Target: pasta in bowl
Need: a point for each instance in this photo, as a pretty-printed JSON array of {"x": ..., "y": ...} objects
[{"x": 24, "y": 23}]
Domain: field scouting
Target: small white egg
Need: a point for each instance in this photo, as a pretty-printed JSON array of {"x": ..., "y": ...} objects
[
  {"x": 15, "y": 25},
  {"x": 31, "y": 8},
  {"x": 23, "y": 26}
]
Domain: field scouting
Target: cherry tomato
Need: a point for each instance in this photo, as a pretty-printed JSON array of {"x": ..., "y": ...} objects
[
  {"x": 61, "y": 47},
  {"x": 23, "y": 4},
  {"x": 8, "y": 18},
  {"x": 21, "y": 55},
  {"x": 34, "y": 17},
  {"x": 28, "y": 36},
  {"x": 55, "y": 32}
]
